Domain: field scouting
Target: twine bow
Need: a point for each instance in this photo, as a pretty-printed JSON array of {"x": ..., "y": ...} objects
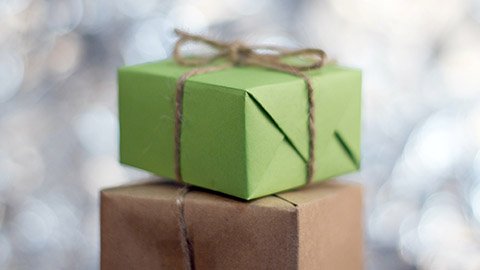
[{"x": 239, "y": 54}]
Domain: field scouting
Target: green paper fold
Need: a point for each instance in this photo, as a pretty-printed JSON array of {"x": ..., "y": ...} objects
[{"x": 244, "y": 129}]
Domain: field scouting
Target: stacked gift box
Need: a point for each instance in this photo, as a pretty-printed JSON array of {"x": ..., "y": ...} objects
[{"x": 243, "y": 200}]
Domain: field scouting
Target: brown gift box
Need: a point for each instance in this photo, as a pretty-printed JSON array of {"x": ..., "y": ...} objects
[{"x": 316, "y": 227}]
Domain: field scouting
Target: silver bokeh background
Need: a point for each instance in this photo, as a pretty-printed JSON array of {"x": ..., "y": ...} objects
[{"x": 421, "y": 140}]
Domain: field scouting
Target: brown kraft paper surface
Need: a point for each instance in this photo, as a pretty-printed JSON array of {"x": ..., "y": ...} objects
[{"x": 315, "y": 227}]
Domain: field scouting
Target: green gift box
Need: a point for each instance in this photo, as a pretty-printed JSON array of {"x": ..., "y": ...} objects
[{"x": 244, "y": 129}]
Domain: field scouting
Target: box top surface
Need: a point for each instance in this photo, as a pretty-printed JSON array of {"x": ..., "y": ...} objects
[
  {"x": 289, "y": 200},
  {"x": 241, "y": 78}
]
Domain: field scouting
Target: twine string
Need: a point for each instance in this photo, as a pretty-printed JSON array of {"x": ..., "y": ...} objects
[
  {"x": 236, "y": 54},
  {"x": 185, "y": 240}
]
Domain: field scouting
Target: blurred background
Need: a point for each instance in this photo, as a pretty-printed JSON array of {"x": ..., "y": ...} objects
[{"x": 421, "y": 140}]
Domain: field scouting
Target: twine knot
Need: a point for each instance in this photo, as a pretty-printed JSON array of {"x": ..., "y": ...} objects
[{"x": 238, "y": 53}]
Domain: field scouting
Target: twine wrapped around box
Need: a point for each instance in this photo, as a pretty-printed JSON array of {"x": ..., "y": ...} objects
[{"x": 236, "y": 54}]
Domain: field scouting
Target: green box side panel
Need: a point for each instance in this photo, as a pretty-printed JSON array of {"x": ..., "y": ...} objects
[
  {"x": 213, "y": 128},
  {"x": 284, "y": 106}
]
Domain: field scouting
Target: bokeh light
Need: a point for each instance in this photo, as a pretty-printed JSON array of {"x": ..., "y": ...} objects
[{"x": 421, "y": 115}]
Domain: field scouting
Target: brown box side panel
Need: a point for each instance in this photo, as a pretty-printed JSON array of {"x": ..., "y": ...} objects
[{"x": 331, "y": 228}]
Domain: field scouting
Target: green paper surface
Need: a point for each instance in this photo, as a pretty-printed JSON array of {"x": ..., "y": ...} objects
[{"x": 244, "y": 129}]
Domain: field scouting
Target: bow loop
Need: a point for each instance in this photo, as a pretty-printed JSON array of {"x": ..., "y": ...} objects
[
  {"x": 199, "y": 60},
  {"x": 310, "y": 58}
]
